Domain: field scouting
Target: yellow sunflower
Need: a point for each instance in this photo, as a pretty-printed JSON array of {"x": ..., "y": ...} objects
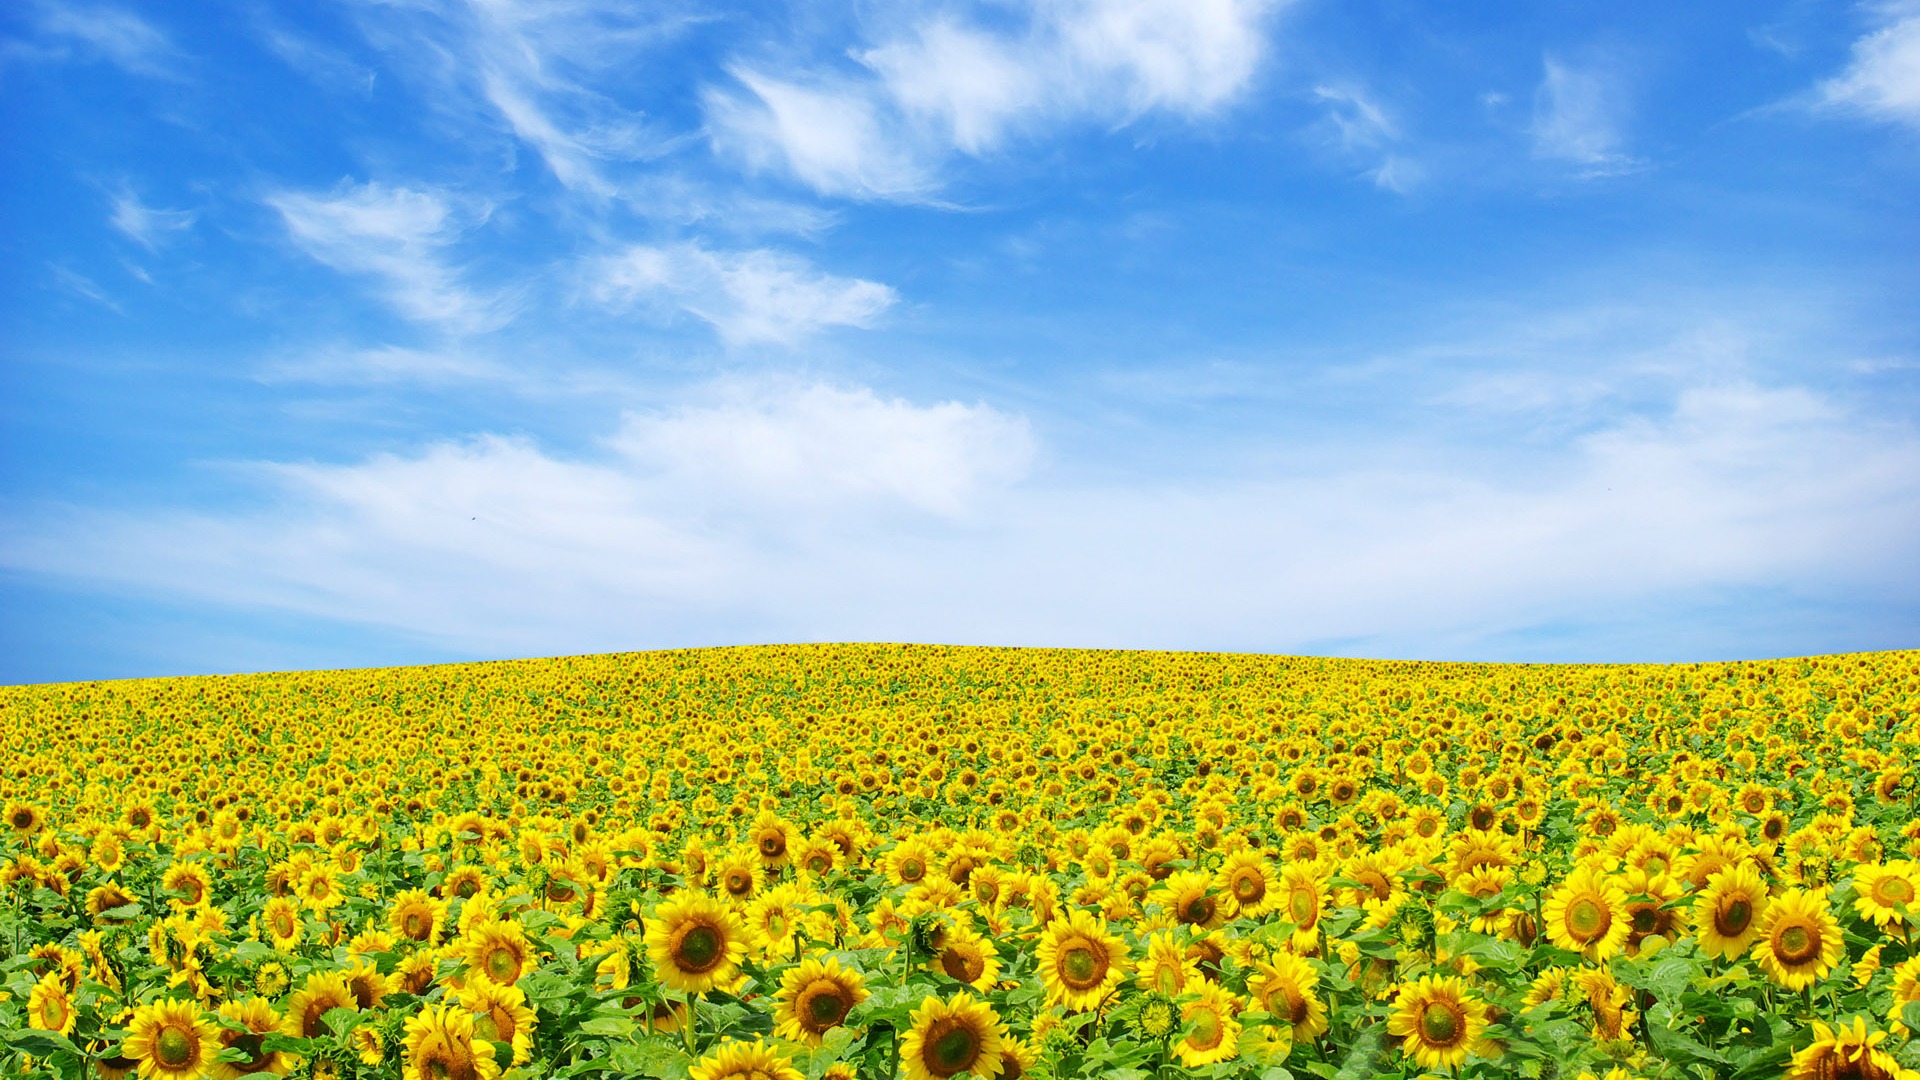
[
  {"x": 696, "y": 943},
  {"x": 1882, "y": 889},
  {"x": 281, "y": 920},
  {"x": 1190, "y": 898},
  {"x": 501, "y": 1015},
  {"x": 417, "y": 916},
  {"x": 322, "y": 992},
  {"x": 1213, "y": 1033},
  {"x": 1248, "y": 880},
  {"x": 259, "y": 1019},
  {"x": 50, "y": 1006},
  {"x": 1799, "y": 940},
  {"x": 1727, "y": 915},
  {"x": 1847, "y": 1052},
  {"x": 440, "y": 1046},
  {"x": 909, "y": 862},
  {"x": 1288, "y": 987},
  {"x": 1303, "y": 896},
  {"x": 745, "y": 1061},
  {"x": 1587, "y": 914},
  {"x": 954, "y": 1036},
  {"x": 1438, "y": 1021},
  {"x": 1166, "y": 968},
  {"x": 171, "y": 1040},
  {"x": 740, "y": 875},
  {"x": 772, "y": 836},
  {"x": 965, "y": 956},
  {"x": 814, "y": 998},
  {"x": 497, "y": 949},
  {"x": 1079, "y": 961},
  {"x": 1906, "y": 988}
]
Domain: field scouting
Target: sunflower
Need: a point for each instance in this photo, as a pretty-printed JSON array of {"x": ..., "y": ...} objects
[
  {"x": 1587, "y": 914},
  {"x": 745, "y": 1061},
  {"x": 259, "y": 1019},
  {"x": 772, "y": 836},
  {"x": 1166, "y": 968},
  {"x": 1847, "y": 1052},
  {"x": 1213, "y": 1034},
  {"x": 909, "y": 862},
  {"x": 814, "y": 998},
  {"x": 501, "y": 1015},
  {"x": 1438, "y": 1020},
  {"x": 954, "y": 1036},
  {"x": 171, "y": 1041},
  {"x": 1079, "y": 961},
  {"x": 696, "y": 943},
  {"x": 1906, "y": 989},
  {"x": 108, "y": 853},
  {"x": 1799, "y": 940},
  {"x": 417, "y": 916},
  {"x": 280, "y": 918},
  {"x": 497, "y": 949},
  {"x": 50, "y": 1005},
  {"x": 967, "y": 957},
  {"x": 1882, "y": 889},
  {"x": 440, "y": 1046},
  {"x": 1302, "y": 897},
  {"x": 322, "y": 992},
  {"x": 1248, "y": 880},
  {"x": 367, "y": 985},
  {"x": 464, "y": 883},
  {"x": 740, "y": 875},
  {"x": 1287, "y": 987},
  {"x": 1648, "y": 910},
  {"x": 1727, "y": 915},
  {"x": 777, "y": 916}
]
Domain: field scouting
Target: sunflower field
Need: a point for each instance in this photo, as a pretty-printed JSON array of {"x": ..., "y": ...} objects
[{"x": 810, "y": 862}]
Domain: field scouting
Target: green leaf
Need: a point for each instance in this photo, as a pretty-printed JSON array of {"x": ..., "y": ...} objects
[
  {"x": 1910, "y": 1015},
  {"x": 41, "y": 1043},
  {"x": 614, "y": 1027},
  {"x": 341, "y": 1020},
  {"x": 1680, "y": 1047}
]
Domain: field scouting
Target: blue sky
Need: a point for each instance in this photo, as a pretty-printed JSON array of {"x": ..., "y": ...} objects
[{"x": 391, "y": 332}]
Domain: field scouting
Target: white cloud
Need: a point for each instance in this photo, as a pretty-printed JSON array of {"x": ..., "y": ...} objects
[
  {"x": 1360, "y": 129},
  {"x": 942, "y": 84},
  {"x": 146, "y": 225},
  {"x": 114, "y": 34},
  {"x": 1578, "y": 116},
  {"x": 398, "y": 235},
  {"x": 775, "y": 512},
  {"x": 1883, "y": 80},
  {"x": 749, "y": 297},
  {"x": 385, "y": 364}
]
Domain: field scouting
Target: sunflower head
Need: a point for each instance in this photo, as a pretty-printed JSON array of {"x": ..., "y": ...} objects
[
  {"x": 949, "y": 1037},
  {"x": 1799, "y": 942},
  {"x": 1438, "y": 1021},
  {"x": 745, "y": 1061},
  {"x": 695, "y": 942},
  {"x": 814, "y": 998},
  {"x": 171, "y": 1041},
  {"x": 1079, "y": 961}
]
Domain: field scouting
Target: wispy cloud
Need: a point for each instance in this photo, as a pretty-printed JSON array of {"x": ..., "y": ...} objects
[
  {"x": 83, "y": 286},
  {"x": 1883, "y": 79},
  {"x": 749, "y": 297},
  {"x": 1360, "y": 128},
  {"x": 942, "y": 83},
  {"x": 110, "y": 33},
  {"x": 145, "y": 225},
  {"x": 383, "y": 365},
  {"x": 1580, "y": 116},
  {"x": 397, "y": 235}
]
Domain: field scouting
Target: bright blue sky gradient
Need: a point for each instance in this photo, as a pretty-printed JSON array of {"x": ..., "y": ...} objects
[{"x": 388, "y": 332}]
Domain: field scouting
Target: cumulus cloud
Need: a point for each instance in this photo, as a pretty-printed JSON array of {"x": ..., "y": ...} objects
[
  {"x": 749, "y": 297},
  {"x": 399, "y": 237},
  {"x": 1579, "y": 116},
  {"x": 1883, "y": 79},
  {"x": 941, "y": 83}
]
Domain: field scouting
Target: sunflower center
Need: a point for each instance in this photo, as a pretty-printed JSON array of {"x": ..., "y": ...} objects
[
  {"x": 951, "y": 1048},
  {"x": 1207, "y": 1029},
  {"x": 1439, "y": 1023},
  {"x": 1199, "y": 909},
  {"x": 699, "y": 949},
  {"x": 174, "y": 1048},
  {"x": 415, "y": 926},
  {"x": 484, "y": 1027},
  {"x": 1079, "y": 967},
  {"x": 1891, "y": 890},
  {"x": 1303, "y": 907},
  {"x": 1646, "y": 919},
  {"x": 772, "y": 846},
  {"x": 1587, "y": 919},
  {"x": 1733, "y": 919},
  {"x": 1795, "y": 944},
  {"x": 962, "y": 966},
  {"x": 250, "y": 1046},
  {"x": 824, "y": 1005},
  {"x": 1248, "y": 887},
  {"x": 503, "y": 966}
]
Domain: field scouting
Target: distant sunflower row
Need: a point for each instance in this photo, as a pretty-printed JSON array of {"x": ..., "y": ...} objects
[{"x": 886, "y": 861}]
